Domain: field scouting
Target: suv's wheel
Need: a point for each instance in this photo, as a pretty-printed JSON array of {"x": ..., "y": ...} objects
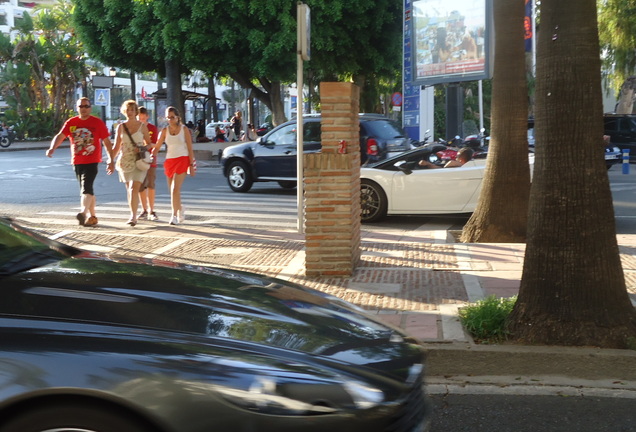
[
  {"x": 238, "y": 177},
  {"x": 373, "y": 201},
  {"x": 287, "y": 184}
]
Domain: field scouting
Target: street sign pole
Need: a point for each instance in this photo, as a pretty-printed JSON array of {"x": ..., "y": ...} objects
[{"x": 303, "y": 53}]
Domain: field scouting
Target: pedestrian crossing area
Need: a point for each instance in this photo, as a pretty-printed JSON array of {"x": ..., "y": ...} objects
[{"x": 205, "y": 206}]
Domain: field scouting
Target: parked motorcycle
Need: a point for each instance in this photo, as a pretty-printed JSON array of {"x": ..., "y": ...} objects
[
  {"x": 427, "y": 137},
  {"x": 7, "y": 136}
]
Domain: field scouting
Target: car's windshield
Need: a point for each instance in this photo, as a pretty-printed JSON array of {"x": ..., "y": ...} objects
[
  {"x": 19, "y": 251},
  {"x": 383, "y": 129}
]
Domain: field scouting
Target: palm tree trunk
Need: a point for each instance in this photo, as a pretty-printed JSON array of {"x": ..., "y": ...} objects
[
  {"x": 501, "y": 214},
  {"x": 572, "y": 289}
]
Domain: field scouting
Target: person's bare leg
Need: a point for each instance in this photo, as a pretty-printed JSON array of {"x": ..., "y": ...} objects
[
  {"x": 133, "y": 199},
  {"x": 88, "y": 204},
  {"x": 175, "y": 193},
  {"x": 151, "y": 200},
  {"x": 143, "y": 199}
]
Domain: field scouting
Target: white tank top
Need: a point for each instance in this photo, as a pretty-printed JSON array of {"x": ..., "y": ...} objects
[{"x": 176, "y": 144}]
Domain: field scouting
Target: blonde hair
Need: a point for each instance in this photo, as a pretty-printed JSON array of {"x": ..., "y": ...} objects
[
  {"x": 82, "y": 99},
  {"x": 126, "y": 104}
]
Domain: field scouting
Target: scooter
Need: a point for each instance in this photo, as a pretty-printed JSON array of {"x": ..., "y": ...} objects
[
  {"x": 7, "y": 136},
  {"x": 427, "y": 137}
]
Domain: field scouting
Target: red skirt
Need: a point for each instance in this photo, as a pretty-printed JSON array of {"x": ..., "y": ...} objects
[{"x": 177, "y": 165}]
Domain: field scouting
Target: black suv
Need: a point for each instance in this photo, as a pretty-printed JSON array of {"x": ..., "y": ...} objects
[
  {"x": 622, "y": 131},
  {"x": 272, "y": 157},
  {"x": 613, "y": 155}
]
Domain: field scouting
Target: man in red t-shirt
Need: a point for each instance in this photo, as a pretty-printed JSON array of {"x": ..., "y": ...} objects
[
  {"x": 87, "y": 133},
  {"x": 147, "y": 190}
]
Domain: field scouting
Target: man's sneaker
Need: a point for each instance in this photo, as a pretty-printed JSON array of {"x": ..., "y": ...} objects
[
  {"x": 92, "y": 221},
  {"x": 143, "y": 215},
  {"x": 174, "y": 220},
  {"x": 81, "y": 218},
  {"x": 152, "y": 216}
]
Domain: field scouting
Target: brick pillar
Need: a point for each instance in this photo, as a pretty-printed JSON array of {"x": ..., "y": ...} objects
[{"x": 332, "y": 186}]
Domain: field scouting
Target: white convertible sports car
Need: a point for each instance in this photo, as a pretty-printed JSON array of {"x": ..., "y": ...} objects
[{"x": 399, "y": 186}]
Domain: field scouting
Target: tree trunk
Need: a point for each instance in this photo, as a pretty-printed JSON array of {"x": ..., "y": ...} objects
[
  {"x": 174, "y": 95},
  {"x": 270, "y": 95},
  {"x": 133, "y": 85},
  {"x": 626, "y": 102},
  {"x": 501, "y": 214},
  {"x": 572, "y": 288},
  {"x": 212, "y": 93},
  {"x": 277, "y": 105}
]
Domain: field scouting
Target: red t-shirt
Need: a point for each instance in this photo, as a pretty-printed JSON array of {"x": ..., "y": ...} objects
[
  {"x": 86, "y": 139},
  {"x": 153, "y": 131}
]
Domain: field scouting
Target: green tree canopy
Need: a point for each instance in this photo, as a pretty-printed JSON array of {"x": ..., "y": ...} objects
[
  {"x": 41, "y": 69},
  {"x": 254, "y": 42},
  {"x": 617, "y": 34},
  {"x": 119, "y": 33}
]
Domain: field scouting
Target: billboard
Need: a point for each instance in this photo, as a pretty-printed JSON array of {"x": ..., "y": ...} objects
[{"x": 450, "y": 40}]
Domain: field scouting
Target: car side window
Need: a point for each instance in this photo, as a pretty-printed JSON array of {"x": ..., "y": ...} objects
[
  {"x": 283, "y": 136},
  {"x": 311, "y": 132}
]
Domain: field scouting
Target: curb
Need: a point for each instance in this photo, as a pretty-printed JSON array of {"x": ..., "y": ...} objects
[{"x": 505, "y": 369}]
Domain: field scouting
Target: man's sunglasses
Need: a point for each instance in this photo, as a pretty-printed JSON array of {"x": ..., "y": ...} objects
[{"x": 83, "y": 106}]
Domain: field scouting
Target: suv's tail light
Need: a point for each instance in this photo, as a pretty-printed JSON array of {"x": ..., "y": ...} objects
[{"x": 372, "y": 147}]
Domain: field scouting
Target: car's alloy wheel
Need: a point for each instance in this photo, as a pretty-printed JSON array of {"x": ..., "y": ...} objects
[
  {"x": 239, "y": 177},
  {"x": 373, "y": 201},
  {"x": 73, "y": 417}
]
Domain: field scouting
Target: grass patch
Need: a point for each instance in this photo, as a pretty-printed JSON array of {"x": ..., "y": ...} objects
[{"x": 486, "y": 319}]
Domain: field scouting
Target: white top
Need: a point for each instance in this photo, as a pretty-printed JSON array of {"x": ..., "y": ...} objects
[
  {"x": 176, "y": 144},
  {"x": 128, "y": 156}
]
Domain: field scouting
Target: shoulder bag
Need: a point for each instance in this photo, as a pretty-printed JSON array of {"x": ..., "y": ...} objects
[{"x": 144, "y": 158}]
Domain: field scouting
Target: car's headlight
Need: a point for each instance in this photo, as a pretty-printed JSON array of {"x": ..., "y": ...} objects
[
  {"x": 616, "y": 149},
  {"x": 271, "y": 395}
]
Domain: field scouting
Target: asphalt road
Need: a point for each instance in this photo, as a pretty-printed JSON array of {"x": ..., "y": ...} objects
[
  {"x": 520, "y": 413},
  {"x": 33, "y": 183}
]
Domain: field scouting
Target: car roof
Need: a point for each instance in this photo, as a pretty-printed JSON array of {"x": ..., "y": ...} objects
[{"x": 360, "y": 115}]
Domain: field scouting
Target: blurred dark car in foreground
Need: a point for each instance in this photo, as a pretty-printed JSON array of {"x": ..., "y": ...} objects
[
  {"x": 272, "y": 157},
  {"x": 99, "y": 343}
]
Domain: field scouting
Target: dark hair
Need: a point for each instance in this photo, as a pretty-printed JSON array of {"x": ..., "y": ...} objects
[
  {"x": 174, "y": 111},
  {"x": 143, "y": 110}
]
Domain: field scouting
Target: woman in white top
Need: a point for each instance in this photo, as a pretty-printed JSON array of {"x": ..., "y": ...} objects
[
  {"x": 128, "y": 149},
  {"x": 179, "y": 160}
]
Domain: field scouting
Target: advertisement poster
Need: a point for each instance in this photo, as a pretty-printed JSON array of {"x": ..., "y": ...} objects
[{"x": 450, "y": 40}]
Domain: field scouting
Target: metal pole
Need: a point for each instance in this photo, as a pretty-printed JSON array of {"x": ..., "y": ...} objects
[
  {"x": 534, "y": 38},
  {"x": 299, "y": 131},
  {"x": 481, "y": 106}
]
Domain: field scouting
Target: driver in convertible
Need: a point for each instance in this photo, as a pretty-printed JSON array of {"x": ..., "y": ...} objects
[{"x": 463, "y": 155}]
